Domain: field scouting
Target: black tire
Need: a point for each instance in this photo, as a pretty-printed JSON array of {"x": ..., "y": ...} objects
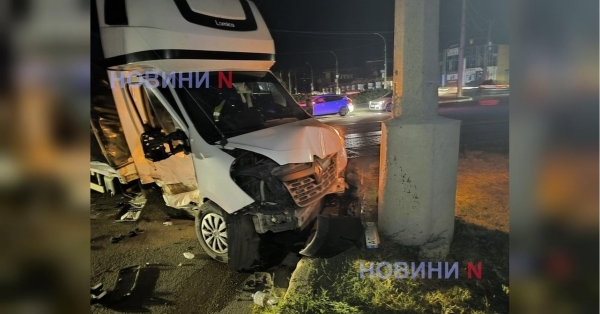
[
  {"x": 242, "y": 242},
  {"x": 388, "y": 107},
  {"x": 343, "y": 111}
]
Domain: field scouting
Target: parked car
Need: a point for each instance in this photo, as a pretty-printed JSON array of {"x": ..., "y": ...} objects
[
  {"x": 331, "y": 104},
  {"x": 382, "y": 103}
]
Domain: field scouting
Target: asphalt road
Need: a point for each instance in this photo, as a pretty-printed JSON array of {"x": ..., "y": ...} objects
[{"x": 483, "y": 127}]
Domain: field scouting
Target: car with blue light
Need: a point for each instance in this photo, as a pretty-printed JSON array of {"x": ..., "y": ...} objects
[{"x": 330, "y": 104}]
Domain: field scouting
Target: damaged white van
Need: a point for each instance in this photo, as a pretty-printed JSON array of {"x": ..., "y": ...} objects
[{"x": 204, "y": 119}]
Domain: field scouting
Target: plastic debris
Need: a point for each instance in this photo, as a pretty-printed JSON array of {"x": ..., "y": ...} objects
[
  {"x": 188, "y": 255},
  {"x": 264, "y": 299},
  {"x": 135, "y": 232},
  {"x": 116, "y": 239},
  {"x": 132, "y": 210},
  {"x": 167, "y": 223},
  {"x": 97, "y": 292}
]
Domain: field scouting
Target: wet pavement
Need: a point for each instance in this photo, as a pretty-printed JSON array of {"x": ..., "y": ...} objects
[{"x": 483, "y": 127}]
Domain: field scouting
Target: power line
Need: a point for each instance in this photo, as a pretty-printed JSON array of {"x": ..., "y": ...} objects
[
  {"x": 331, "y": 33},
  {"x": 476, "y": 25},
  {"x": 476, "y": 12}
]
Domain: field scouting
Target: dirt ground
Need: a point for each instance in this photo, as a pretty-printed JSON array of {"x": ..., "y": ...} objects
[
  {"x": 168, "y": 282},
  {"x": 168, "y": 287}
]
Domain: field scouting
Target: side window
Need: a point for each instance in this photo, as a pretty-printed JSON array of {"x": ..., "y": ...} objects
[
  {"x": 168, "y": 95},
  {"x": 151, "y": 110},
  {"x": 161, "y": 117}
]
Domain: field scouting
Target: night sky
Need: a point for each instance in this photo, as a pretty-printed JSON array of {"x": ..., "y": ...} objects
[
  {"x": 361, "y": 16},
  {"x": 356, "y": 16}
]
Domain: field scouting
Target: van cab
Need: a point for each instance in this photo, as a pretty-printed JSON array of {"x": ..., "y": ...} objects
[{"x": 205, "y": 120}]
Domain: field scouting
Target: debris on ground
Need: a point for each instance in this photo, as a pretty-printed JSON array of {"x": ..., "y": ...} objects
[
  {"x": 135, "y": 232},
  {"x": 132, "y": 210},
  {"x": 116, "y": 239},
  {"x": 126, "y": 283},
  {"x": 371, "y": 235},
  {"x": 188, "y": 255},
  {"x": 263, "y": 299},
  {"x": 334, "y": 235},
  {"x": 97, "y": 293},
  {"x": 258, "y": 281},
  {"x": 167, "y": 223}
]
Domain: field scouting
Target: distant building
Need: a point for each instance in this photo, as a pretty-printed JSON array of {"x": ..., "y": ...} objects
[{"x": 473, "y": 75}]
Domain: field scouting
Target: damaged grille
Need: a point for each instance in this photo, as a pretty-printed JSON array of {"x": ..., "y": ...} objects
[{"x": 310, "y": 188}]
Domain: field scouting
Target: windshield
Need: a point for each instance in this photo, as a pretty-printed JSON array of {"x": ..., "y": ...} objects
[{"x": 251, "y": 101}]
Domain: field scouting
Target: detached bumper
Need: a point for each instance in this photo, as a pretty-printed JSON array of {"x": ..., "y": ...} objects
[{"x": 334, "y": 235}]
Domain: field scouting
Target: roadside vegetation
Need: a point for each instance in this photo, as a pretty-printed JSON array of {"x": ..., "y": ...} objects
[
  {"x": 481, "y": 234},
  {"x": 366, "y": 96}
]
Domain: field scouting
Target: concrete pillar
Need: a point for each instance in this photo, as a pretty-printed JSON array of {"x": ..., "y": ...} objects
[{"x": 419, "y": 149}]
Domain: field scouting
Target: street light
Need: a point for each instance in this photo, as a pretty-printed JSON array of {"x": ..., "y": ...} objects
[
  {"x": 311, "y": 78},
  {"x": 384, "y": 60},
  {"x": 337, "y": 85}
]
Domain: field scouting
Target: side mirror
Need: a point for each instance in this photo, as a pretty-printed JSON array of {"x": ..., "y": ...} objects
[{"x": 158, "y": 146}]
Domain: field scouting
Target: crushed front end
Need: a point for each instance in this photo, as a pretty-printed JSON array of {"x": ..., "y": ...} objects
[{"x": 287, "y": 196}]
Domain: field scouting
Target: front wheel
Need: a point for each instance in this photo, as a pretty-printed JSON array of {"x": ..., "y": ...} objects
[
  {"x": 343, "y": 111},
  {"x": 227, "y": 238},
  {"x": 211, "y": 229},
  {"x": 388, "y": 108}
]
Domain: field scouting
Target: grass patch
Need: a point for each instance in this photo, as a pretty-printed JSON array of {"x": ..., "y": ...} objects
[
  {"x": 481, "y": 234},
  {"x": 338, "y": 287}
]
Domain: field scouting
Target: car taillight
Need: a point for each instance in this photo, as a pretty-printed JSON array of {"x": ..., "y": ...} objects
[{"x": 349, "y": 100}]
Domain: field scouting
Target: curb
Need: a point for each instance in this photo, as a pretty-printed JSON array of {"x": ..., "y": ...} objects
[{"x": 300, "y": 279}]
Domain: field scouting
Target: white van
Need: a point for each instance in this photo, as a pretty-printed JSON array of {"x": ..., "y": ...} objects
[{"x": 204, "y": 119}]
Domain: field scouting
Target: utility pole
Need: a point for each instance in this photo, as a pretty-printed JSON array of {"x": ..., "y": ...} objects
[
  {"x": 384, "y": 60},
  {"x": 488, "y": 52},
  {"x": 289, "y": 82},
  {"x": 445, "y": 61},
  {"x": 337, "y": 75},
  {"x": 312, "y": 82},
  {"x": 461, "y": 49},
  {"x": 295, "y": 82},
  {"x": 410, "y": 140}
]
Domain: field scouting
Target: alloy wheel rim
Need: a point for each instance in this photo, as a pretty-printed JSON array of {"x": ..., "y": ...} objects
[{"x": 214, "y": 232}]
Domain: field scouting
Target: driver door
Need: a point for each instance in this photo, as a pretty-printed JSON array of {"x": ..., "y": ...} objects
[{"x": 164, "y": 144}]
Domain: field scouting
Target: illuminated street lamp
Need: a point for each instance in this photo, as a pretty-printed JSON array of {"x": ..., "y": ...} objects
[
  {"x": 337, "y": 76},
  {"x": 384, "y": 60},
  {"x": 312, "y": 86}
]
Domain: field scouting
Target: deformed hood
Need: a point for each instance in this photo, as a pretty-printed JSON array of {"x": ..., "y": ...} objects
[{"x": 295, "y": 142}]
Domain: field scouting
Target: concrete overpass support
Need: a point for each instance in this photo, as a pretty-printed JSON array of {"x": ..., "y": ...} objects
[{"x": 419, "y": 149}]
